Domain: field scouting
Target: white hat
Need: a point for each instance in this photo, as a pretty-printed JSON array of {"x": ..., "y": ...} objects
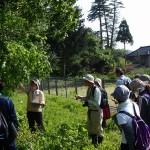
[
  {"x": 89, "y": 78},
  {"x": 99, "y": 81},
  {"x": 36, "y": 81}
]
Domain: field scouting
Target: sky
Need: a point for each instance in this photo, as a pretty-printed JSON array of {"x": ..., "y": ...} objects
[{"x": 136, "y": 13}]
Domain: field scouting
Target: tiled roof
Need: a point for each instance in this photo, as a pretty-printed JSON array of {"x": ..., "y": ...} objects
[{"x": 141, "y": 51}]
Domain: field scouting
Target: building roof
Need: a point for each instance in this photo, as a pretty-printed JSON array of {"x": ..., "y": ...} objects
[{"x": 141, "y": 51}]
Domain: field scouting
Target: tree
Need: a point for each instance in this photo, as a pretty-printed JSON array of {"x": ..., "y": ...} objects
[
  {"x": 107, "y": 11},
  {"x": 115, "y": 5},
  {"x": 124, "y": 35},
  {"x": 24, "y": 25},
  {"x": 79, "y": 46},
  {"x": 97, "y": 12}
]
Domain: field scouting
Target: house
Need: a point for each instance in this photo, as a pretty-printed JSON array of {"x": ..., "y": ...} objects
[{"x": 140, "y": 56}]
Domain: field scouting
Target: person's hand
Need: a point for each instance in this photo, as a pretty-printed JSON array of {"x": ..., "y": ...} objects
[
  {"x": 116, "y": 102},
  {"x": 77, "y": 97}
]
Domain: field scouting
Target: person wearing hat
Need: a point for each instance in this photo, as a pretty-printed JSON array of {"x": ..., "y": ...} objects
[
  {"x": 121, "y": 94},
  {"x": 98, "y": 83},
  {"x": 142, "y": 92},
  {"x": 145, "y": 77},
  {"x": 94, "y": 118},
  {"x": 35, "y": 103}
]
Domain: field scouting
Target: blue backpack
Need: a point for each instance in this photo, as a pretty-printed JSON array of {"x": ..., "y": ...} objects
[{"x": 141, "y": 131}]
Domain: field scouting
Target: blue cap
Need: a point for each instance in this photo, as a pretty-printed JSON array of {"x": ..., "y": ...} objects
[{"x": 121, "y": 93}]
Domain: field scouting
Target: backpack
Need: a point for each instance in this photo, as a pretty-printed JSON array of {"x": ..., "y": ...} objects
[
  {"x": 104, "y": 97},
  {"x": 106, "y": 112},
  {"x": 141, "y": 131},
  {"x": 126, "y": 82},
  {"x": 3, "y": 127}
]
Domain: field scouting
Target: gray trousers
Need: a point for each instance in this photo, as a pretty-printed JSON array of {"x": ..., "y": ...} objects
[{"x": 94, "y": 122}]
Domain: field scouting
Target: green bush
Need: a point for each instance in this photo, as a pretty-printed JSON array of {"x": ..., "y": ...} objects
[{"x": 143, "y": 70}]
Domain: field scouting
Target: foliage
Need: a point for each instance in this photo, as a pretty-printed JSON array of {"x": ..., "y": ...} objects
[
  {"x": 64, "y": 120},
  {"x": 64, "y": 16},
  {"x": 79, "y": 53},
  {"x": 134, "y": 71},
  {"x": 70, "y": 52},
  {"x": 124, "y": 34},
  {"x": 14, "y": 69},
  {"x": 107, "y": 12},
  {"x": 24, "y": 26}
]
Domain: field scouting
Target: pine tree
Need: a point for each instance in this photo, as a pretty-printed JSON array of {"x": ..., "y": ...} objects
[
  {"x": 107, "y": 12},
  {"x": 124, "y": 36}
]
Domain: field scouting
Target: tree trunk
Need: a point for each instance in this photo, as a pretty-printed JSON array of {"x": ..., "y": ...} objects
[
  {"x": 106, "y": 26},
  {"x": 113, "y": 26},
  {"x": 124, "y": 45},
  {"x": 101, "y": 31}
]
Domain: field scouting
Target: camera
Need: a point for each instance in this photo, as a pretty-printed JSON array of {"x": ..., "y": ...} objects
[{"x": 85, "y": 104}]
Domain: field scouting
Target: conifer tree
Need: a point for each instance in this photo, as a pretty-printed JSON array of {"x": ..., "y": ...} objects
[{"x": 124, "y": 36}]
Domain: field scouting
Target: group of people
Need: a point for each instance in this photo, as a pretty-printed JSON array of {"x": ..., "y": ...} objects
[
  {"x": 35, "y": 103},
  {"x": 131, "y": 96},
  {"x": 127, "y": 93}
]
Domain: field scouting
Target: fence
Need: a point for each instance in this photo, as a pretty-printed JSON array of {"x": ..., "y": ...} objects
[{"x": 66, "y": 87}]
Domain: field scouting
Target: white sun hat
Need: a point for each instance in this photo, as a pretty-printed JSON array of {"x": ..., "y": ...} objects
[
  {"x": 36, "y": 81},
  {"x": 89, "y": 78},
  {"x": 99, "y": 81}
]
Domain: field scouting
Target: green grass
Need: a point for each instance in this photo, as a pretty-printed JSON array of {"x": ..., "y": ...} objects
[{"x": 65, "y": 124}]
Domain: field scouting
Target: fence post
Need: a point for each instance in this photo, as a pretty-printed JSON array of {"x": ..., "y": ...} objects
[
  {"x": 41, "y": 85},
  {"x": 76, "y": 89},
  {"x": 103, "y": 83},
  {"x": 66, "y": 87},
  {"x": 56, "y": 87},
  {"x": 48, "y": 86}
]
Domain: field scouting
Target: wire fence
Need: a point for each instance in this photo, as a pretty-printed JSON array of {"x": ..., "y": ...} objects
[{"x": 68, "y": 88}]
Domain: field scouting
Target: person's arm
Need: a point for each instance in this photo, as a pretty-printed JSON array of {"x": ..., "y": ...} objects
[
  {"x": 119, "y": 81},
  {"x": 42, "y": 98},
  {"x": 23, "y": 88},
  {"x": 127, "y": 128},
  {"x": 81, "y": 98},
  {"x": 129, "y": 134},
  {"x": 144, "y": 108}
]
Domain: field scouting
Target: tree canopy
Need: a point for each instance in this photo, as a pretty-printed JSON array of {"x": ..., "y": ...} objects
[
  {"x": 24, "y": 26},
  {"x": 124, "y": 35},
  {"x": 107, "y": 12}
]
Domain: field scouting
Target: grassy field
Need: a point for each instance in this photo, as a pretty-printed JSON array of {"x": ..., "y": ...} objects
[{"x": 65, "y": 124}]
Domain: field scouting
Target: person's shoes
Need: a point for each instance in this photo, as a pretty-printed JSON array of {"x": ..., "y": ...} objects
[
  {"x": 100, "y": 139},
  {"x": 95, "y": 140},
  {"x": 104, "y": 125}
]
